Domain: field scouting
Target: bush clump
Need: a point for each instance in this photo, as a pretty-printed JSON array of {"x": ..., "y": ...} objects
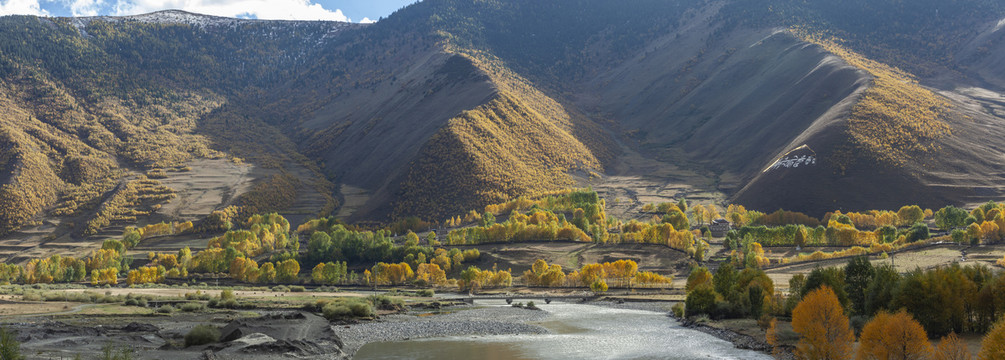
[
  {"x": 202, "y": 334},
  {"x": 344, "y": 309},
  {"x": 192, "y": 307},
  {"x": 384, "y": 302}
]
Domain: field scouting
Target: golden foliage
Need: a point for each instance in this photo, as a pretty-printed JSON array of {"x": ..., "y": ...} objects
[
  {"x": 108, "y": 276},
  {"x": 822, "y": 326},
  {"x": 893, "y": 336},
  {"x": 896, "y": 119},
  {"x": 993, "y": 344},
  {"x": 519, "y": 143},
  {"x": 393, "y": 274},
  {"x": 951, "y": 347},
  {"x": 146, "y": 275},
  {"x": 278, "y": 193},
  {"x": 129, "y": 200},
  {"x": 432, "y": 274},
  {"x": 475, "y": 278}
]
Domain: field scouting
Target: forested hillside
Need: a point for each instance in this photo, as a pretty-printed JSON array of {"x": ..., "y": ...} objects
[{"x": 455, "y": 104}]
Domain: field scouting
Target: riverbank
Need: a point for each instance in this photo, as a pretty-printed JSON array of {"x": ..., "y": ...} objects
[
  {"x": 457, "y": 320},
  {"x": 736, "y": 335}
]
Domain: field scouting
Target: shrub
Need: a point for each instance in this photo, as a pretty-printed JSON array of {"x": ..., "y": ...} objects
[
  {"x": 191, "y": 307},
  {"x": 361, "y": 309},
  {"x": 10, "y": 348},
  {"x": 228, "y": 304},
  {"x": 165, "y": 309},
  {"x": 227, "y": 295},
  {"x": 297, "y": 288},
  {"x": 334, "y": 311},
  {"x": 202, "y": 334},
  {"x": 678, "y": 310},
  {"x": 426, "y": 293},
  {"x": 384, "y": 302}
]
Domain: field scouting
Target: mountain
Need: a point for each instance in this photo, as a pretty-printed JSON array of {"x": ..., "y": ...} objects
[{"x": 448, "y": 105}]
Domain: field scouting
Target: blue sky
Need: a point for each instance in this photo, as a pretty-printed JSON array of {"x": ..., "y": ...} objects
[{"x": 341, "y": 10}]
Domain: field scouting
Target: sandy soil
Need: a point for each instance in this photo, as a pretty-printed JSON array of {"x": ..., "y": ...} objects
[{"x": 210, "y": 185}]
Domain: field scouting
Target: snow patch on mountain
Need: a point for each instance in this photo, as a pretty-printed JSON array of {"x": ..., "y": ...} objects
[{"x": 203, "y": 21}]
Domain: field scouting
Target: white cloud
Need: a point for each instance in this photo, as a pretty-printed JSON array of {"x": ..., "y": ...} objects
[
  {"x": 367, "y": 20},
  {"x": 260, "y": 9},
  {"x": 84, "y": 7},
  {"x": 21, "y": 7}
]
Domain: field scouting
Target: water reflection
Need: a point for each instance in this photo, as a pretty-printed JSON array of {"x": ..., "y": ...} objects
[{"x": 578, "y": 332}]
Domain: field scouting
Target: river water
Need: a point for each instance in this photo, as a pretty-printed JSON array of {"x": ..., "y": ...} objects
[{"x": 578, "y": 331}]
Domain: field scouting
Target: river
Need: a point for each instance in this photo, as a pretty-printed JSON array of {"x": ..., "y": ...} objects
[{"x": 577, "y": 331}]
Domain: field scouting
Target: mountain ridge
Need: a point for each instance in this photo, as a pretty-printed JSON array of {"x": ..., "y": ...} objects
[{"x": 449, "y": 105}]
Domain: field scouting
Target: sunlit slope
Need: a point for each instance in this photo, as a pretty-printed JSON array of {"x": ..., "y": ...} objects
[{"x": 92, "y": 105}]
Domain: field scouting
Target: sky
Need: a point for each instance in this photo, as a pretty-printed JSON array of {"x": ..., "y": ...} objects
[{"x": 338, "y": 10}]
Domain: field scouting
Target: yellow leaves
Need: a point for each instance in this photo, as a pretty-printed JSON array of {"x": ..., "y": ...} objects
[
  {"x": 473, "y": 278},
  {"x": 541, "y": 274},
  {"x": 109, "y": 276},
  {"x": 506, "y": 148},
  {"x": 893, "y": 336},
  {"x": 103, "y": 258},
  {"x": 244, "y": 269},
  {"x": 146, "y": 275},
  {"x": 896, "y": 119},
  {"x": 394, "y": 274},
  {"x": 993, "y": 345},
  {"x": 278, "y": 193},
  {"x": 822, "y": 326},
  {"x": 431, "y": 274},
  {"x": 287, "y": 271},
  {"x": 951, "y": 348}
]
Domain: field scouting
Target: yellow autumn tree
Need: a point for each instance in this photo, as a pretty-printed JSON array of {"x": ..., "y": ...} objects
[
  {"x": 431, "y": 274},
  {"x": 893, "y": 336},
  {"x": 951, "y": 348},
  {"x": 822, "y": 326},
  {"x": 993, "y": 345}
]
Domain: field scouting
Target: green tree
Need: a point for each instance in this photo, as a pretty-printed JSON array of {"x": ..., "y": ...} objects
[
  {"x": 699, "y": 275},
  {"x": 411, "y": 239},
  {"x": 857, "y": 275},
  {"x": 701, "y": 300},
  {"x": 879, "y": 293},
  {"x": 724, "y": 282},
  {"x": 677, "y": 219},
  {"x": 831, "y": 277},
  {"x": 917, "y": 232},
  {"x": 910, "y": 214},
  {"x": 950, "y": 217}
]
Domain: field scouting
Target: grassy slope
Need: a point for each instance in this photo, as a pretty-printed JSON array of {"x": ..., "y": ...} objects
[{"x": 86, "y": 110}]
